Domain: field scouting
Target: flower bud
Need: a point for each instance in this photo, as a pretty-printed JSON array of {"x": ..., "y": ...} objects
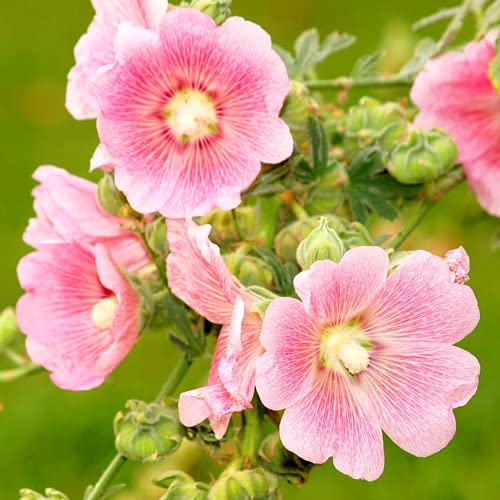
[
  {"x": 218, "y": 10},
  {"x": 288, "y": 239},
  {"x": 254, "y": 483},
  {"x": 321, "y": 244},
  {"x": 147, "y": 432},
  {"x": 422, "y": 157},
  {"x": 264, "y": 298},
  {"x": 226, "y": 225},
  {"x": 374, "y": 123},
  {"x": 50, "y": 494},
  {"x": 298, "y": 107},
  {"x": 111, "y": 200},
  {"x": 181, "y": 486},
  {"x": 156, "y": 234},
  {"x": 8, "y": 327},
  {"x": 249, "y": 270},
  {"x": 278, "y": 460}
]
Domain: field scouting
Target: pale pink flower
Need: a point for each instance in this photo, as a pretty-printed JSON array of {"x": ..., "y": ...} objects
[
  {"x": 95, "y": 51},
  {"x": 66, "y": 209},
  {"x": 188, "y": 113},
  {"x": 363, "y": 353},
  {"x": 459, "y": 264},
  {"x": 455, "y": 93},
  {"x": 198, "y": 275},
  {"x": 80, "y": 313}
]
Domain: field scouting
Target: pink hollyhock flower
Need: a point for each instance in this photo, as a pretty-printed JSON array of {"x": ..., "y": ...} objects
[
  {"x": 363, "y": 353},
  {"x": 80, "y": 313},
  {"x": 95, "y": 50},
  {"x": 67, "y": 209},
  {"x": 455, "y": 93},
  {"x": 459, "y": 264},
  {"x": 189, "y": 113},
  {"x": 198, "y": 275}
]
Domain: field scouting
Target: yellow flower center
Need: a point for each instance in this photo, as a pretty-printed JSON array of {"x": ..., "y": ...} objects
[
  {"x": 103, "y": 313},
  {"x": 345, "y": 347},
  {"x": 191, "y": 115}
]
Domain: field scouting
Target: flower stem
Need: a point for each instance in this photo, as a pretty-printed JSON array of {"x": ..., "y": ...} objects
[
  {"x": 251, "y": 434},
  {"x": 15, "y": 357},
  {"x": 419, "y": 215},
  {"x": 119, "y": 460},
  {"x": 453, "y": 28},
  {"x": 160, "y": 265},
  {"x": 175, "y": 378},
  {"x": 20, "y": 372},
  {"x": 345, "y": 82}
]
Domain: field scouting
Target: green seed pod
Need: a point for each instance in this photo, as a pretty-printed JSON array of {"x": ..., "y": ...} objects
[
  {"x": 249, "y": 270},
  {"x": 298, "y": 107},
  {"x": 218, "y": 10},
  {"x": 156, "y": 234},
  {"x": 8, "y": 327},
  {"x": 147, "y": 432},
  {"x": 278, "y": 460},
  {"x": 181, "y": 486},
  {"x": 374, "y": 123},
  {"x": 111, "y": 200},
  {"x": 50, "y": 494},
  {"x": 423, "y": 157},
  {"x": 255, "y": 484},
  {"x": 322, "y": 243},
  {"x": 288, "y": 239}
]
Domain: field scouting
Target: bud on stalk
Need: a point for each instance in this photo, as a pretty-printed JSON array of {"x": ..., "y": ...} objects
[
  {"x": 257, "y": 484},
  {"x": 218, "y": 10},
  {"x": 147, "y": 432},
  {"x": 111, "y": 200},
  {"x": 8, "y": 327},
  {"x": 423, "y": 157},
  {"x": 180, "y": 486},
  {"x": 321, "y": 244}
]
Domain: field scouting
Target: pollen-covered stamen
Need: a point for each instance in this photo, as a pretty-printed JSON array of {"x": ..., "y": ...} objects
[
  {"x": 103, "y": 313},
  {"x": 191, "y": 115},
  {"x": 344, "y": 347}
]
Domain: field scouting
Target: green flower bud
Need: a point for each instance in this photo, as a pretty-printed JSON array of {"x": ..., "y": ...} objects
[
  {"x": 322, "y": 243},
  {"x": 278, "y": 460},
  {"x": 288, "y": 239},
  {"x": 156, "y": 234},
  {"x": 147, "y": 432},
  {"x": 218, "y": 10},
  {"x": 374, "y": 123},
  {"x": 422, "y": 157},
  {"x": 356, "y": 235},
  {"x": 226, "y": 224},
  {"x": 181, "y": 486},
  {"x": 8, "y": 327},
  {"x": 112, "y": 200},
  {"x": 249, "y": 270},
  {"x": 50, "y": 494},
  {"x": 298, "y": 106},
  {"x": 257, "y": 484}
]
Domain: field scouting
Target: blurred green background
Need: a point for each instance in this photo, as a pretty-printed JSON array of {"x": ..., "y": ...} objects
[{"x": 49, "y": 437}]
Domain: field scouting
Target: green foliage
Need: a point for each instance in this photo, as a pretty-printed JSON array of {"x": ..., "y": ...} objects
[
  {"x": 366, "y": 66},
  {"x": 310, "y": 51},
  {"x": 490, "y": 18},
  {"x": 370, "y": 189}
]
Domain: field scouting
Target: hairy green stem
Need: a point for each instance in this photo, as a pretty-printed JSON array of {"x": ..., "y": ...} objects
[
  {"x": 15, "y": 357},
  {"x": 453, "y": 28},
  {"x": 107, "y": 476},
  {"x": 160, "y": 265},
  {"x": 251, "y": 434},
  {"x": 410, "y": 225},
  {"x": 119, "y": 460},
  {"x": 175, "y": 378},
  {"x": 20, "y": 372},
  {"x": 345, "y": 83}
]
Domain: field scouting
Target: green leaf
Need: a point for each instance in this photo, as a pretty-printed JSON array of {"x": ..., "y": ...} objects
[
  {"x": 366, "y": 65},
  {"x": 490, "y": 18},
  {"x": 306, "y": 47},
  {"x": 424, "y": 50},
  {"x": 281, "y": 273},
  {"x": 370, "y": 189},
  {"x": 288, "y": 59},
  {"x": 440, "y": 15},
  {"x": 318, "y": 139},
  {"x": 334, "y": 42}
]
